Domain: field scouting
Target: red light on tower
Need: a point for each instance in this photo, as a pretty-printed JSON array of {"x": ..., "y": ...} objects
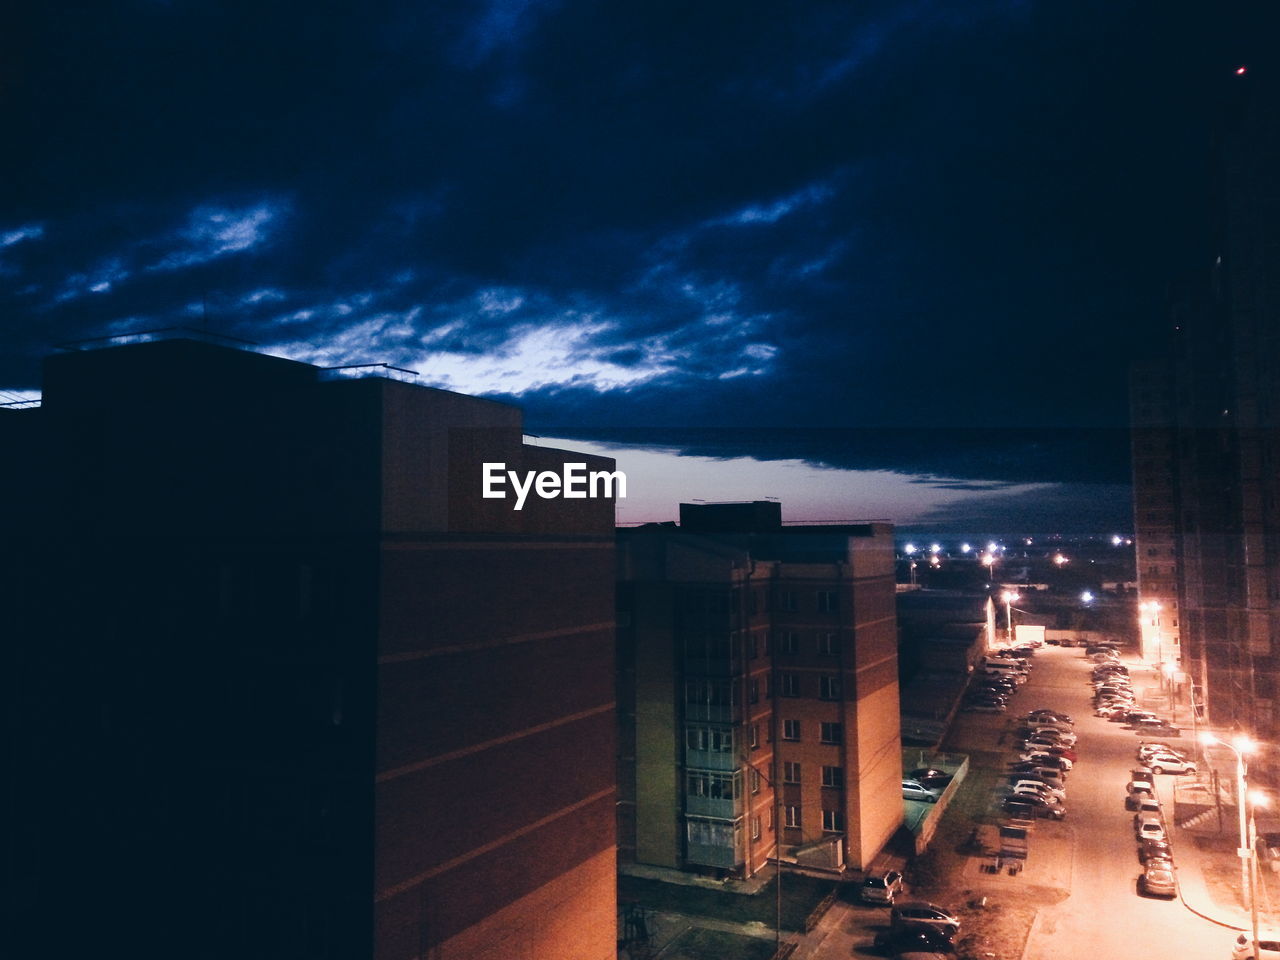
[{"x": 1241, "y": 71}]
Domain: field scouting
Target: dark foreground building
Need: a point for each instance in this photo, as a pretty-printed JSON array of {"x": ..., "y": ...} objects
[
  {"x": 279, "y": 682},
  {"x": 758, "y": 692},
  {"x": 1206, "y": 448}
]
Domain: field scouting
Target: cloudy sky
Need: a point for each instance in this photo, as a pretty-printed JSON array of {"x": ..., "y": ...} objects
[{"x": 914, "y": 240}]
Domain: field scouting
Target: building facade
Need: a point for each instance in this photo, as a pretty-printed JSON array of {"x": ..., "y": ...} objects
[
  {"x": 1206, "y": 444},
  {"x": 758, "y": 692},
  {"x": 282, "y": 683}
]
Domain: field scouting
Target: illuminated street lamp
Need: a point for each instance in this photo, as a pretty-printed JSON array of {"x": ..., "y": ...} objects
[
  {"x": 1009, "y": 597},
  {"x": 1086, "y": 597},
  {"x": 1242, "y": 746}
]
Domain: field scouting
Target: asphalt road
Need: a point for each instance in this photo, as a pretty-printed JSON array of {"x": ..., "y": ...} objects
[{"x": 1105, "y": 916}]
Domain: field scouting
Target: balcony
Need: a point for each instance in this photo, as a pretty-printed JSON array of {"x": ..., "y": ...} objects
[
  {"x": 726, "y": 809},
  {"x": 706, "y": 855}
]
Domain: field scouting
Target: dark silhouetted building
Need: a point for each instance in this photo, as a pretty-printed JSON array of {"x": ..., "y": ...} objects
[
  {"x": 1206, "y": 443},
  {"x": 280, "y": 683},
  {"x": 758, "y": 692}
]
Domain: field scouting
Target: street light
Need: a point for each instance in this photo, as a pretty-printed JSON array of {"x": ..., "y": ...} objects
[
  {"x": 1009, "y": 597},
  {"x": 1241, "y": 746}
]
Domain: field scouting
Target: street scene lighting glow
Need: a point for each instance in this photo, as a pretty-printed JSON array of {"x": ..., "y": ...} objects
[
  {"x": 909, "y": 548},
  {"x": 1244, "y": 743},
  {"x": 965, "y": 548},
  {"x": 935, "y": 547},
  {"x": 1087, "y": 597}
]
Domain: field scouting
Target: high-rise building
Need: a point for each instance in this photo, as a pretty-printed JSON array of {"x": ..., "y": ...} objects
[
  {"x": 280, "y": 682},
  {"x": 1206, "y": 446},
  {"x": 758, "y": 692}
]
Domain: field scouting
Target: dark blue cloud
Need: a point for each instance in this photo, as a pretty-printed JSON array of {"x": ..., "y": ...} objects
[{"x": 631, "y": 215}]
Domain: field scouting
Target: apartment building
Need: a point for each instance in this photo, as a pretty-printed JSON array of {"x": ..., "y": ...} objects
[
  {"x": 1206, "y": 442},
  {"x": 758, "y": 692},
  {"x": 281, "y": 683}
]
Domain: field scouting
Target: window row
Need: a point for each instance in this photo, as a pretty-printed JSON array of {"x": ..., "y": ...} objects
[
  {"x": 832, "y": 820},
  {"x": 713, "y": 786},
  {"x": 791, "y": 685},
  {"x": 827, "y": 732},
  {"x": 831, "y": 776}
]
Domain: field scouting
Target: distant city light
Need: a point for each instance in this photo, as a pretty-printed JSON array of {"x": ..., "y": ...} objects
[
  {"x": 935, "y": 548},
  {"x": 1241, "y": 71},
  {"x": 1117, "y": 540},
  {"x": 1059, "y": 559},
  {"x": 1087, "y": 597},
  {"x": 909, "y": 548},
  {"x": 965, "y": 548},
  {"x": 991, "y": 547}
]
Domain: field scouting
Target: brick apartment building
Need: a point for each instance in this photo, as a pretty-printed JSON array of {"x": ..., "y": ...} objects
[
  {"x": 280, "y": 683},
  {"x": 758, "y": 692}
]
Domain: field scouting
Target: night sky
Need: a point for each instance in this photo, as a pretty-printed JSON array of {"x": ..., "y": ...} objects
[{"x": 916, "y": 237}]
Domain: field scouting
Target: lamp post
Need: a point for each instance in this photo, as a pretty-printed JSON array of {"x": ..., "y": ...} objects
[
  {"x": 1241, "y": 746},
  {"x": 1009, "y": 597}
]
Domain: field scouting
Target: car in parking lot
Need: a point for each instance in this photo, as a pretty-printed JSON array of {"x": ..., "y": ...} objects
[
  {"x": 1039, "y": 755},
  {"x": 1155, "y": 850},
  {"x": 1020, "y": 806},
  {"x": 1045, "y": 713},
  {"x": 920, "y": 913},
  {"x": 930, "y": 777},
  {"x": 1147, "y": 747},
  {"x": 1136, "y": 791},
  {"x": 1145, "y": 803},
  {"x": 1268, "y": 947},
  {"x": 1170, "y": 763},
  {"x": 882, "y": 886},
  {"x": 1158, "y": 879},
  {"x": 1149, "y": 827},
  {"x": 1038, "y": 788},
  {"x": 911, "y": 790}
]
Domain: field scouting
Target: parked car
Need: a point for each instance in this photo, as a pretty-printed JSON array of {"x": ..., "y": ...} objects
[
  {"x": 1147, "y": 747},
  {"x": 1149, "y": 827},
  {"x": 930, "y": 777},
  {"x": 921, "y": 913},
  {"x": 1157, "y": 728},
  {"x": 1158, "y": 880},
  {"x": 1136, "y": 790},
  {"x": 1051, "y": 714},
  {"x": 882, "y": 886},
  {"x": 911, "y": 790},
  {"x": 1145, "y": 803},
  {"x": 1045, "y": 759},
  {"x": 1268, "y": 947},
  {"x": 1024, "y": 804},
  {"x": 1039, "y": 788},
  {"x": 1170, "y": 763},
  {"x": 1155, "y": 850}
]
